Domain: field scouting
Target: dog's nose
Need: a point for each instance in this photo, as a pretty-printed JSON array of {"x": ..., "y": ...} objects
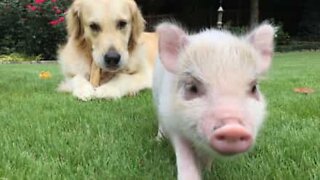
[{"x": 112, "y": 58}]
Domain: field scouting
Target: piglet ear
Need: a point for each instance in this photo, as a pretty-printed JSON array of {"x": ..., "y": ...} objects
[
  {"x": 262, "y": 39},
  {"x": 172, "y": 39}
]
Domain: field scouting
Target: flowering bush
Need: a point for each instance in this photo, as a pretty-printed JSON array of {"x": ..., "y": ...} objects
[
  {"x": 33, "y": 27},
  {"x": 52, "y": 10}
]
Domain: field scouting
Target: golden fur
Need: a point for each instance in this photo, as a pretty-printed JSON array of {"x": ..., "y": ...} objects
[{"x": 96, "y": 28}]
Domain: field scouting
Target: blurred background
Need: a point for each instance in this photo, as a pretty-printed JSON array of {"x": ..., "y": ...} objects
[{"x": 37, "y": 27}]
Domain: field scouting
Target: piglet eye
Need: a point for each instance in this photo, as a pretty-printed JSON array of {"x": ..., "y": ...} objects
[
  {"x": 95, "y": 27},
  {"x": 254, "y": 89},
  {"x": 193, "y": 89},
  {"x": 121, "y": 24}
]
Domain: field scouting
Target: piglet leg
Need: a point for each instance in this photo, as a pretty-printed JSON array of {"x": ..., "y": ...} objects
[
  {"x": 188, "y": 165},
  {"x": 161, "y": 133}
]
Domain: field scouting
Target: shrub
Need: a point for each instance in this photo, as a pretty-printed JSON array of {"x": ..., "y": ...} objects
[
  {"x": 17, "y": 57},
  {"x": 239, "y": 30},
  {"x": 281, "y": 37},
  {"x": 295, "y": 45},
  {"x": 10, "y": 26},
  {"x": 32, "y": 27}
]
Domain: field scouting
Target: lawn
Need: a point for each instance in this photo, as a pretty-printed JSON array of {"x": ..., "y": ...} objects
[{"x": 48, "y": 135}]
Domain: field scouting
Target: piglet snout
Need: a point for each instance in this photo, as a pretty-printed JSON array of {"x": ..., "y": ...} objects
[{"x": 231, "y": 139}]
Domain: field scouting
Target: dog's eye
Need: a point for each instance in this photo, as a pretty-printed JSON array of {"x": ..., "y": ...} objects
[
  {"x": 95, "y": 27},
  {"x": 121, "y": 24}
]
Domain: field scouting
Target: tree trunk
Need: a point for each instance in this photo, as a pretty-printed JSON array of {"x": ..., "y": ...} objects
[{"x": 254, "y": 12}]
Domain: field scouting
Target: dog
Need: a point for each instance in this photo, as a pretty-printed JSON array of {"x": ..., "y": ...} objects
[{"x": 110, "y": 34}]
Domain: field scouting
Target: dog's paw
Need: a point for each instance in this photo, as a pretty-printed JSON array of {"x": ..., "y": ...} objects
[
  {"x": 107, "y": 92},
  {"x": 85, "y": 93},
  {"x": 82, "y": 88},
  {"x": 131, "y": 94},
  {"x": 64, "y": 86}
]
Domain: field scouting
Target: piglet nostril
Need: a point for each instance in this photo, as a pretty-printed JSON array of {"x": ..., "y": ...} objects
[
  {"x": 221, "y": 137},
  {"x": 245, "y": 138},
  {"x": 112, "y": 58}
]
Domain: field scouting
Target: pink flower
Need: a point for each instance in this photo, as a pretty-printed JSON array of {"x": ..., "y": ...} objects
[
  {"x": 61, "y": 19},
  {"x": 39, "y": 1},
  {"x": 56, "y": 21},
  {"x": 31, "y": 7},
  {"x": 57, "y": 10}
]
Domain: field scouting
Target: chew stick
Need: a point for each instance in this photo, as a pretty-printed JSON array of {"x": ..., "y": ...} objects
[{"x": 95, "y": 74}]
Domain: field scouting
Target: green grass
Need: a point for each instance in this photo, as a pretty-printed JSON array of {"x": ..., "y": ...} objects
[{"x": 48, "y": 135}]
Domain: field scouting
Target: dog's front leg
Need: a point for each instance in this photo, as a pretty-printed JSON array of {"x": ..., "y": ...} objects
[
  {"x": 82, "y": 88},
  {"x": 123, "y": 84}
]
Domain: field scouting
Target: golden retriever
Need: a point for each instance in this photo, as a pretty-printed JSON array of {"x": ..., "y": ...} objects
[{"x": 110, "y": 34}]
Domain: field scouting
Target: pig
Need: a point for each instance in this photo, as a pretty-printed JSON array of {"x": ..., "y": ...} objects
[{"x": 206, "y": 93}]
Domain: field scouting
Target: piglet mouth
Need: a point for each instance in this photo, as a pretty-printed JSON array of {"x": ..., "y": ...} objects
[
  {"x": 231, "y": 140},
  {"x": 231, "y": 148}
]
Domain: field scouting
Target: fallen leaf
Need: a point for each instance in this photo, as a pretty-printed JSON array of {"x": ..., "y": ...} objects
[
  {"x": 45, "y": 75},
  {"x": 303, "y": 90}
]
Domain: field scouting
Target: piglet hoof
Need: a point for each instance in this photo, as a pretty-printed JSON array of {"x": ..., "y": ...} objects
[{"x": 160, "y": 136}]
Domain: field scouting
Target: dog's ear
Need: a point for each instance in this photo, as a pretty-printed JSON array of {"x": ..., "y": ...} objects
[
  {"x": 74, "y": 24},
  {"x": 137, "y": 24}
]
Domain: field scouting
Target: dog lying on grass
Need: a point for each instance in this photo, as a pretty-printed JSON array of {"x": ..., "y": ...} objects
[{"x": 107, "y": 34}]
